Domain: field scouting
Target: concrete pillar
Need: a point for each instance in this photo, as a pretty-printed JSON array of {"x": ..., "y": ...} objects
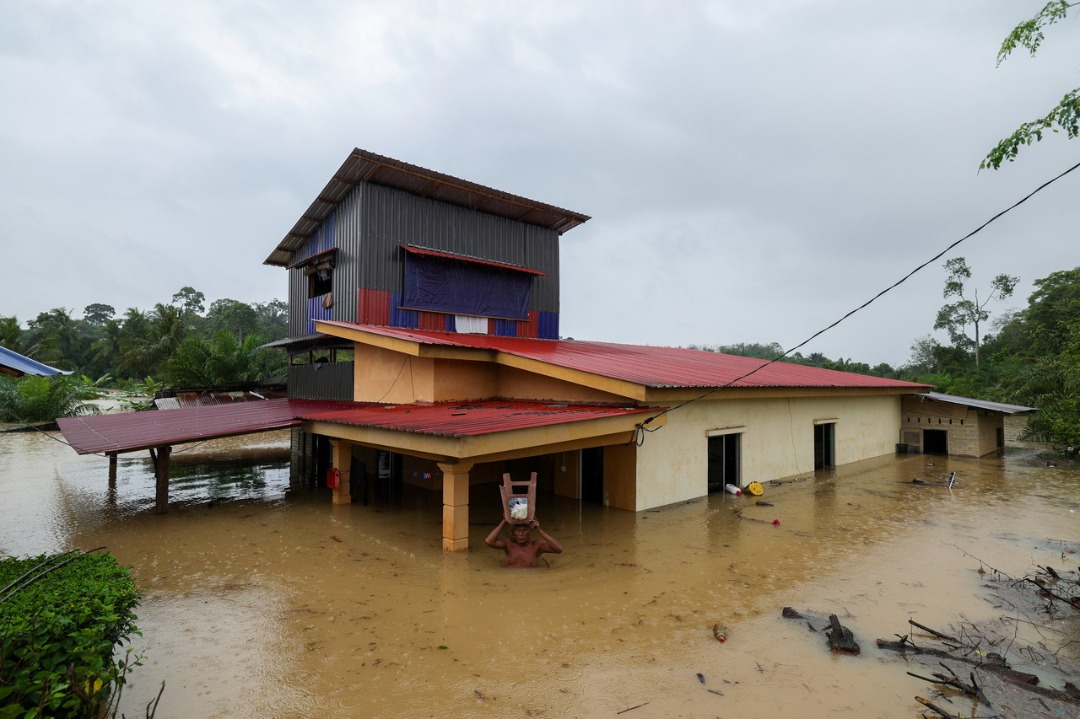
[
  {"x": 455, "y": 506},
  {"x": 342, "y": 461}
]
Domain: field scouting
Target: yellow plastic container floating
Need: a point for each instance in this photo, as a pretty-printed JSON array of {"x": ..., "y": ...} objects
[{"x": 755, "y": 489}]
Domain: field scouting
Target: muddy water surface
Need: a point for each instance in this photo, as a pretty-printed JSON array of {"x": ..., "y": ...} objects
[{"x": 263, "y": 602}]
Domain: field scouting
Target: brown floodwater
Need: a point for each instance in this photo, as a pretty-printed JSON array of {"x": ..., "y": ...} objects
[{"x": 264, "y": 601}]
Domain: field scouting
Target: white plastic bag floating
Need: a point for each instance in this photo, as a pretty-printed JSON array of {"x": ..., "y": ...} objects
[{"x": 519, "y": 508}]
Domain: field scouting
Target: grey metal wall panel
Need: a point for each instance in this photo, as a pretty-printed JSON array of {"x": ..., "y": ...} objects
[
  {"x": 332, "y": 381},
  {"x": 542, "y": 253}
]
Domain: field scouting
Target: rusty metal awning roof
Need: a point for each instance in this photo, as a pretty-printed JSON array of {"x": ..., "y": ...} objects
[
  {"x": 116, "y": 433},
  {"x": 649, "y": 366},
  {"x": 429, "y": 252},
  {"x": 130, "y": 431},
  {"x": 470, "y": 419},
  {"x": 364, "y": 166}
]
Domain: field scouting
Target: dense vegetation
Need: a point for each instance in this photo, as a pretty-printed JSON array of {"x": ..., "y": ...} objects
[
  {"x": 61, "y": 618},
  {"x": 1030, "y": 358},
  {"x": 178, "y": 343}
]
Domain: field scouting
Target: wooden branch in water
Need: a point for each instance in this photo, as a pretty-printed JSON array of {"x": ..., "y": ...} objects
[
  {"x": 630, "y": 709},
  {"x": 1071, "y": 601},
  {"x": 931, "y": 706},
  {"x": 971, "y": 690},
  {"x": 928, "y": 630}
]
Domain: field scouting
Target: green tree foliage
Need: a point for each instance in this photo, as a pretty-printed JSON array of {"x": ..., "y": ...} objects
[
  {"x": 222, "y": 359},
  {"x": 189, "y": 300},
  {"x": 232, "y": 316},
  {"x": 98, "y": 314},
  {"x": 1038, "y": 353},
  {"x": 968, "y": 311},
  {"x": 1064, "y": 116},
  {"x": 32, "y": 399}
]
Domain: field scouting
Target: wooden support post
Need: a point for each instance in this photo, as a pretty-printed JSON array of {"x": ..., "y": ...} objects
[
  {"x": 112, "y": 480},
  {"x": 341, "y": 460},
  {"x": 455, "y": 537},
  {"x": 161, "y": 474}
]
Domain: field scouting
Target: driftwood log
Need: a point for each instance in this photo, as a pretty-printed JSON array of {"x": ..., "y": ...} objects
[{"x": 840, "y": 637}]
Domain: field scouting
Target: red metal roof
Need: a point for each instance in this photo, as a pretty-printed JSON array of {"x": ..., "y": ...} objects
[
  {"x": 141, "y": 430},
  {"x": 468, "y": 419},
  {"x": 427, "y": 251},
  {"x": 659, "y": 367}
]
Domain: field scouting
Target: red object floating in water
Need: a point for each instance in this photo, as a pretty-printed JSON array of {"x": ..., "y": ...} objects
[{"x": 776, "y": 522}]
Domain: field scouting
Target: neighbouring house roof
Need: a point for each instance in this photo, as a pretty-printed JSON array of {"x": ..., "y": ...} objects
[
  {"x": 14, "y": 364},
  {"x": 981, "y": 404},
  {"x": 654, "y": 367},
  {"x": 364, "y": 166},
  {"x": 128, "y": 432}
]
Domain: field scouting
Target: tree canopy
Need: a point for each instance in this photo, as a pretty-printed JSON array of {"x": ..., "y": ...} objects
[{"x": 1064, "y": 116}]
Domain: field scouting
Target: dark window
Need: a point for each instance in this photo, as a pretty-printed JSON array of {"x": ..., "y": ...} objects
[{"x": 320, "y": 281}]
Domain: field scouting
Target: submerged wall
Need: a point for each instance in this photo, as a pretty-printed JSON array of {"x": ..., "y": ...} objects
[{"x": 776, "y": 440}]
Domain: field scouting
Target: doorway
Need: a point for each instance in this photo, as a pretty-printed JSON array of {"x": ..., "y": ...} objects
[
  {"x": 723, "y": 461},
  {"x": 592, "y": 475},
  {"x": 935, "y": 441},
  {"x": 824, "y": 445}
]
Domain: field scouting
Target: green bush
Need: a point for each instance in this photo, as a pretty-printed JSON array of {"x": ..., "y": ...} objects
[
  {"x": 61, "y": 617},
  {"x": 43, "y": 399}
]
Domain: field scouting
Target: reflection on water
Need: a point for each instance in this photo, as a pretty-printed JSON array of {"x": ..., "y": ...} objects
[{"x": 264, "y": 602}]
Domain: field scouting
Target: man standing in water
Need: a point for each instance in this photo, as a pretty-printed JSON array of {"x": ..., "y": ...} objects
[{"x": 521, "y": 549}]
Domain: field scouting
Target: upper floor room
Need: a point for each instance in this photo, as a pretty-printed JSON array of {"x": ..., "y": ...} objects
[{"x": 392, "y": 244}]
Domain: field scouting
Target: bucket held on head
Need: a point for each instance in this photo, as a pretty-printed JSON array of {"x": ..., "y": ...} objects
[
  {"x": 732, "y": 489},
  {"x": 518, "y": 499}
]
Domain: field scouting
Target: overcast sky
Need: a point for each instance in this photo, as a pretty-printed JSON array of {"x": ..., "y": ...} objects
[{"x": 754, "y": 169}]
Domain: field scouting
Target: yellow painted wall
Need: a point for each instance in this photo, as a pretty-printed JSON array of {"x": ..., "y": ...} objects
[
  {"x": 519, "y": 384},
  {"x": 458, "y": 380},
  {"x": 777, "y": 441},
  {"x": 381, "y": 375}
]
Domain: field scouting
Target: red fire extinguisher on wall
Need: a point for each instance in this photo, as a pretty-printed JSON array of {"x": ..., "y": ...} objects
[{"x": 333, "y": 478}]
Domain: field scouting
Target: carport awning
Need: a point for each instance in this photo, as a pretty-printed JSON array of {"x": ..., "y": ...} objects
[{"x": 129, "y": 432}]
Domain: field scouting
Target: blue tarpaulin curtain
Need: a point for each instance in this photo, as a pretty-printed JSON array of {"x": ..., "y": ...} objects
[{"x": 436, "y": 284}]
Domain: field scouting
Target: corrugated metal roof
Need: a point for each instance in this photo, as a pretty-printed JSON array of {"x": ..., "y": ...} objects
[
  {"x": 17, "y": 365},
  {"x": 981, "y": 403},
  {"x": 418, "y": 250},
  {"x": 140, "y": 430},
  {"x": 659, "y": 367},
  {"x": 364, "y": 166},
  {"x": 468, "y": 419}
]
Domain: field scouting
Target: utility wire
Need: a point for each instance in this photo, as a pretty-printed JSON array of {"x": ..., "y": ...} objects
[{"x": 870, "y": 301}]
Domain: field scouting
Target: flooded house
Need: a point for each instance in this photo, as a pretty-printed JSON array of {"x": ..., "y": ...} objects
[{"x": 431, "y": 304}]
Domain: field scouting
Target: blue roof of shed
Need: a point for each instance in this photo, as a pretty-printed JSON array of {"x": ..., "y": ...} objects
[{"x": 12, "y": 362}]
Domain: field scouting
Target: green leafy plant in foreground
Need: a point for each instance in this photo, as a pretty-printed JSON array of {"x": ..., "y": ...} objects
[
  {"x": 61, "y": 619},
  {"x": 43, "y": 399}
]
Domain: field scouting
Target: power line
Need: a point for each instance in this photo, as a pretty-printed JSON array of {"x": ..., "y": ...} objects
[{"x": 870, "y": 301}]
